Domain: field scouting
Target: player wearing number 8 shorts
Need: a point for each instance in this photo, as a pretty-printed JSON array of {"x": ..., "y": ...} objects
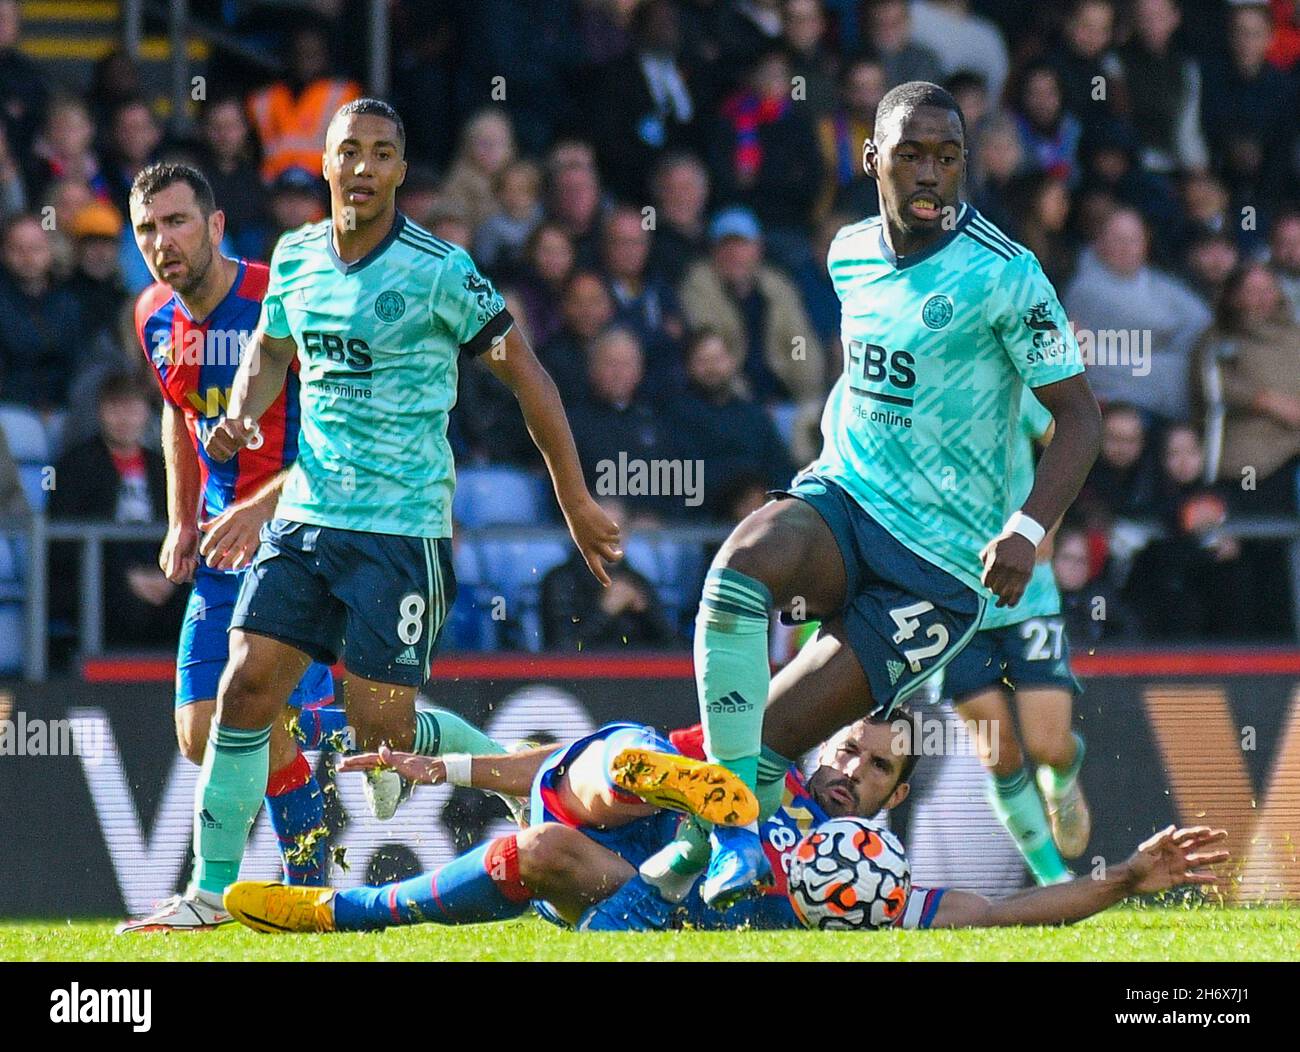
[
  {"x": 1024, "y": 648},
  {"x": 356, "y": 565}
]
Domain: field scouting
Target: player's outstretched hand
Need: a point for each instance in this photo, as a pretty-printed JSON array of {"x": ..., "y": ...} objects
[
  {"x": 427, "y": 770},
  {"x": 1008, "y": 562},
  {"x": 1176, "y": 856},
  {"x": 596, "y": 535},
  {"x": 179, "y": 556},
  {"x": 229, "y": 437},
  {"x": 230, "y": 539}
]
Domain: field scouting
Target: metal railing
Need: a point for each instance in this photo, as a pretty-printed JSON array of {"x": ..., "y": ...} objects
[
  {"x": 181, "y": 24},
  {"x": 40, "y": 532}
]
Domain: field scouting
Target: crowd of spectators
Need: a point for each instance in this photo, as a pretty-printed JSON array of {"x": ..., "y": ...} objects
[{"x": 653, "y": 184}]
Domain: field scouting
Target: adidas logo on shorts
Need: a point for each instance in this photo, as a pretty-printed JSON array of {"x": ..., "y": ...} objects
[
  {"x": 895, "y": 670},
  {"x": 407, "y": 657}
]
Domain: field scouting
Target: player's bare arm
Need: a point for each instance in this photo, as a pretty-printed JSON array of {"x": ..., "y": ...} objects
[
  {"x": 257, "y": 385},
  {"x": 230, "y": 539},
  {"x": 1166, "y": 860},
  {"x": 1009, "y": 557},
  {"x": 179, "y": 556},
  {"x": 597, "y": 536},
  {"x": 509, "y": 773}
]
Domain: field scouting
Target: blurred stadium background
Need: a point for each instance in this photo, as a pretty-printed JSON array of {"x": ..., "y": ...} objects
[{"x": 653, "y": 184}]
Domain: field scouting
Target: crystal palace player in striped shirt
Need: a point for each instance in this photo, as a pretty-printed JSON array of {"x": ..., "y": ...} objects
[{"x": 193, "y": 323}]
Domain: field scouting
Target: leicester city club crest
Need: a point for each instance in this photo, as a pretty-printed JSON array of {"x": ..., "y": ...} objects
[
  {"x": 937, "y": 311},
  {"x": 390, "y": 305}
]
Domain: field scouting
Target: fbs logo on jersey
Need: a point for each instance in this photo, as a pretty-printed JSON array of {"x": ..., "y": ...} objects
[
  {"x": 389, "y": 305},
  {"x": 937, "y": 311}
]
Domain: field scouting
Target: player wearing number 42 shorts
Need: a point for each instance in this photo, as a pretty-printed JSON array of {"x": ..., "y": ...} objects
[{"x": 903, "y": 529}]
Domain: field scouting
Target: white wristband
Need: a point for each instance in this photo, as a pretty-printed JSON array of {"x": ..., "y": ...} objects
[
  {"x": 1025, "y": 526},
  {"x": 458, "y": 765}
]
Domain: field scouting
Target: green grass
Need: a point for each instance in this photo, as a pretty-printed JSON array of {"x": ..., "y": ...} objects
[{"x": 1128, "y": 934}]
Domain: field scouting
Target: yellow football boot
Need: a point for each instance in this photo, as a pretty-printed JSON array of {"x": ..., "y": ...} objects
[
  {"x": 707, "y": 790},
  {"x": 266, "y": 906}
]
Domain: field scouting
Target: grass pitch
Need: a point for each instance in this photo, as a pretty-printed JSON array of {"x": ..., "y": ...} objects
[{"x": 1128, "y": 934}]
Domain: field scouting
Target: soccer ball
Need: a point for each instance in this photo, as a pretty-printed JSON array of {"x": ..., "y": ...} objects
[{"x": 849, "y": 873}]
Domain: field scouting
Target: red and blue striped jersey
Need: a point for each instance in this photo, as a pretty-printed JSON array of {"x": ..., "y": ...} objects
[{"x": 195, "y": 364}]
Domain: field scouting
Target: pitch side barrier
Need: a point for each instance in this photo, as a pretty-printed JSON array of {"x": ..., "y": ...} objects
[{"x": 95, "y": 802}]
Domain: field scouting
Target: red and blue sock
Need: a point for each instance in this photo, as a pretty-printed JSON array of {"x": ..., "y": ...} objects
[
  {"x": 480, "y": 885},
  {"x": 296, "y": 807},
  {"x": 322, "y": 725}
]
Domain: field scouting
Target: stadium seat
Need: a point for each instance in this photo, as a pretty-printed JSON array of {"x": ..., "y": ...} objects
[
  {"x": 675, "y": 568},
  {"x": 30, "y": 447},
  {"x": 32, "y": 476},
  {"x": 25, "y": 432},
  {"x": 54, "y": 425},
  {"x": 512, "y": 571},
  {"x": 497, "y": 496},
  {"x": 784, "y": 416},
  {"x": 11, "y": 637},
  {"x": 470, "y": 626}
]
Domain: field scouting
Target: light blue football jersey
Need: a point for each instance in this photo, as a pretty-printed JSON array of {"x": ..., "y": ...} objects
[
  {"x": 1041, "y": 598},
  {"x": 921, "y": 426},
  {"x": 379, "y": 341}
]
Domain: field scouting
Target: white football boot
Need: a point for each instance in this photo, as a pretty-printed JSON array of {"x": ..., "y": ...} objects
[{"x": 179, "y": 913}]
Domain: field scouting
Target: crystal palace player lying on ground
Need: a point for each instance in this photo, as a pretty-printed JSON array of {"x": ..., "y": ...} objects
[{"x": 576, "y": 864}]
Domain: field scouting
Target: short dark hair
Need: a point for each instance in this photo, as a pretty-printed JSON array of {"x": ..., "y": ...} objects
[
  {"x": 916, "y": 93},
  {"x": 158, "y": 177},
  {"x": 121, "y": 386},
  {"x": 375, "y": 108}
]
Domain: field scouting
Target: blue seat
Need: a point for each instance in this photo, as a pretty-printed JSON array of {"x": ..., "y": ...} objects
[
  {"x": 11, "y": 638},
  {"x": 54, "y": 424},
  {"x": 25, "y": 432},
  {"x": 470, "y": 625},
  {"x": 498, "y": 496},
  {"x": 784, "y": 415},
  {"x": 675, "y": 568},
  {"x": 507, "y": 583},
  {"x": 32, "y": 476}
]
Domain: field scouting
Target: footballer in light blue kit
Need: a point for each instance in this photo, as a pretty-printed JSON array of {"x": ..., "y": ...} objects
[
  {"x": 376, "y": 313},
  {"x": 903, "y": 530},
  {"x": 594, "y": 819},
  {"x": 192, "y": 323},
  {"x": 1024, "y": 649}
]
